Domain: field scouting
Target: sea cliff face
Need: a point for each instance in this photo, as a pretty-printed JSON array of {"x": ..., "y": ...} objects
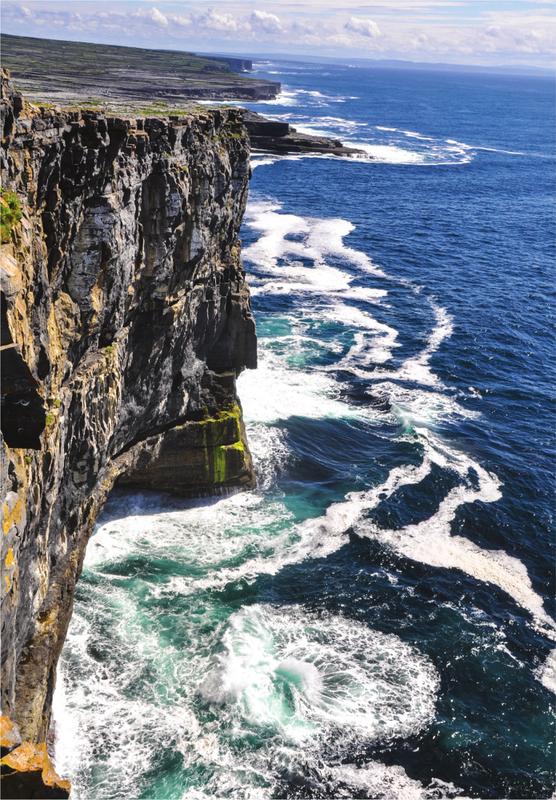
[{"x": 125, "y": 321}]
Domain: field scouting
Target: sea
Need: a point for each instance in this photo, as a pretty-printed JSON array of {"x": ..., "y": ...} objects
[{"x": 376, "y": 619}]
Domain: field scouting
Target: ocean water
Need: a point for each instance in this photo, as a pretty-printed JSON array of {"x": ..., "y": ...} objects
[{"x": 375, "y": 620}]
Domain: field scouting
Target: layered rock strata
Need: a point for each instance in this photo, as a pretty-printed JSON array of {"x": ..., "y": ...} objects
[
  {"x": 125, "y": 322},
  {"x": 275, "y": 136}
]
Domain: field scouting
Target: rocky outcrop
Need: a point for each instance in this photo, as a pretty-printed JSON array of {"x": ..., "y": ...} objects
[
  {"x": 126, "y": 319},
  {"x": 26, "y": 769},
  {"x": 275, "y": 136}
]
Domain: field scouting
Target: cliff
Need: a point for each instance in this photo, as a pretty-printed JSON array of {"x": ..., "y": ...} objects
[
  {"x": 85, "y": 72},
  {"x": 275, "y": 136},
  {"x": 125, "y": 321}
]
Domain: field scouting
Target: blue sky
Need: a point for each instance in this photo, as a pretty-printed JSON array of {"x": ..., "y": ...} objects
[{"x": 454, "y": 31}]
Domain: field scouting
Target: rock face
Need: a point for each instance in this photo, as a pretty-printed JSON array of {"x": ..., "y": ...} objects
[
  {"x": 273, "y": 136},
  {"x": 126, "y": 319}
]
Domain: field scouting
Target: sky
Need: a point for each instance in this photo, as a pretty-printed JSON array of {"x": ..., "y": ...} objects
[{"x": 489, "y": 32}]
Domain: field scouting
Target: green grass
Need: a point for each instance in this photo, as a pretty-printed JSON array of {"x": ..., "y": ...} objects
[{"x": 10, "y": 214}]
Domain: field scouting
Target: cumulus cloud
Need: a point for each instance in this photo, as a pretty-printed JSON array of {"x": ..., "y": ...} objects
[
  {"x": 266, "y": 22},
  {"x": 152, "y": 14},
  {"x": 213, "y": 21},
  {"x": 363, "y": 26}
]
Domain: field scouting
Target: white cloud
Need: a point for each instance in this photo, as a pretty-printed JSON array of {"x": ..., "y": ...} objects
[
  {"x": 181, "y": 21},
  {"x": 431, "y": 30},
  {"x": 268, "y": 23},
  {"x": 363, "y": 26},
  {"x": 213, "y": 21},
  {"x": 152, "y": 14}
]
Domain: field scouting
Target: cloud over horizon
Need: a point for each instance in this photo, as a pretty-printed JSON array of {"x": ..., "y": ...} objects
[{"x": 457, "y": 31}]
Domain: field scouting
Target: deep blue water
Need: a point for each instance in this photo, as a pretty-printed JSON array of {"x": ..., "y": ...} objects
[{"x": 376, "y": 620}]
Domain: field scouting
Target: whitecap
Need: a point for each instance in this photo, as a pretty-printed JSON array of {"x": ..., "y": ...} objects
[
  {"x": 261, "y": 162},
  {"x": 546, "y": 673},
  {"x": 387, "y": 782},
  {"x": 389, "y": 153},
  {"x": 310, "y": 394},
  {"x": 416, "y": 135}
]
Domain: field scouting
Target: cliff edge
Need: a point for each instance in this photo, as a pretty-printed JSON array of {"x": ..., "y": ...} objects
[{"x": 125, "y": 322}]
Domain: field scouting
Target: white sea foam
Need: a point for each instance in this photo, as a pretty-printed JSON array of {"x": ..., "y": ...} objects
[
  {"x": 383, "y": 782},
  {"x": 317, "y": 238},
  {"x": 320, "y": 536},
  {"x": 417, "y": 368},
  {"x": 314, "y": 130},
  {"x": 337, "y": 123},
  {"x": 463, "y": 146},
  {"x": 95, "y": 709},
  {"x": 389, "y": 153},
  {"x": 546, "y": 673},
  {"x": 284, "y": 98},
  {"x": 261, "y": 162},
  {"x": 415, "y": 135},
  {"x": 293, "y": 97},
  {"x": 147, "y": 530},
  {"x": 320, "y": 679},
  {"x": 309, "y": 676},
  {"x": 431, "y": 542},
  {"x": 420, "y": 407},
  {"x": 391, "y": 146},
  {"x": 313, "y": 395},
  {"x": 365, "y": 351},
  {"x": 318, "y": 241}
]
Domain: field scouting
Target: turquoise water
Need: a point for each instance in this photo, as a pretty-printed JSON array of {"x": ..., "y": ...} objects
[{"x": 374, "y": 620}]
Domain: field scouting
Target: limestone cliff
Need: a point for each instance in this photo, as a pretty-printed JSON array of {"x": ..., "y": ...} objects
[{"x": 125, "y": 321}]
